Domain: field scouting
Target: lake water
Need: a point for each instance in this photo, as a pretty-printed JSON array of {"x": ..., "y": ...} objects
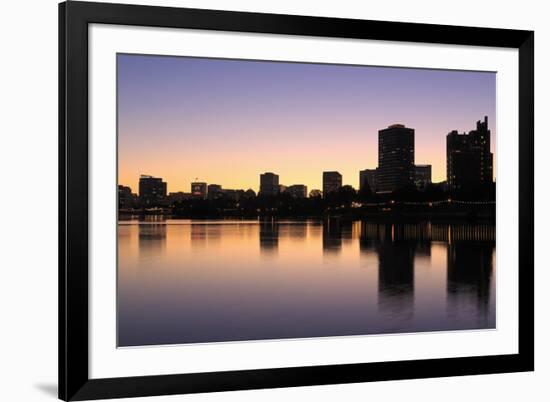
[{"x": 183, "y": 281}]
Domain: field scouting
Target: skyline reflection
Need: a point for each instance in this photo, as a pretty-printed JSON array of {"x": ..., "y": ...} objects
[{"x": 209, "y": 282}]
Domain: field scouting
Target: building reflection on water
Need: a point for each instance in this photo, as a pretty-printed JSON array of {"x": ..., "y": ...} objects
[
  {"x": 332, "y": 236},
  {"x": 469, "y": 271},
  {"x": 469, "y": 249},
  {"x": 470, "y": 263},
  {"x": 152, "y": 237},
  {"x": 390, "y": 277},
  {"x": 269, "y": 236},
  {"x": 395, "y": 272},
  {"x": 198, "y": 235}
]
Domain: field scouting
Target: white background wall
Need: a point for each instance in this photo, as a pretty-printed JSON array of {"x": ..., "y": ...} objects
[{"x": 28, "y": 198}]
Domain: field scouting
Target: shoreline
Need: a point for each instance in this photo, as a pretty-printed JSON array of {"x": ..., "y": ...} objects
[{"x": 379, "y": 217}]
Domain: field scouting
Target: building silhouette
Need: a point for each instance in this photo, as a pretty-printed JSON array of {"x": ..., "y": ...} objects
[
  {"x": 178, "y": 196},
  {"x": 249, "y": 194},
  {"x": 367, "y": 179},
  {"x": 125, "y": 197},
  {"x": 315, "y": 193},
  {"x": 469, "y": 158},
  {"x": 395, "y": 158},
  {"x": 269, "y": 184},
  {"x": 422, "y": 176},
  {"x": 332, "y": 181},
  {"x": 232, "y": 194},
  {"x": 152, "y": 190},
  {"x": 469, "y": 165},
  {"x": 198, "y": 189},
  {"x": 297, "y": 191},
  {"x": 214, "y": 191}
]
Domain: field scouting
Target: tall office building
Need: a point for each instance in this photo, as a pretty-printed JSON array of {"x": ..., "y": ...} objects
[
  {"x": 332, "y": 181},
  {"x": 198, "y": 189},
  {"x": 297, "y": 191},
  {"x": 367, "y": 177},
  {"x": 269, "y": 184},
  {"x": 422, "y": 176},
  {"x": 152, "y": 190},
  {"x": 395, "y": 158},
  {"x": 469, "y": 158}
]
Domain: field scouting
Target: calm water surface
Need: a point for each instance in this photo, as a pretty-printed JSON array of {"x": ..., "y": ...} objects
[{"x": 183, "y": 281}]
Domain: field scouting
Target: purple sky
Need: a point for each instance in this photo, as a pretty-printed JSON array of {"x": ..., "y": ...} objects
[{"x": 226, "y": 121}]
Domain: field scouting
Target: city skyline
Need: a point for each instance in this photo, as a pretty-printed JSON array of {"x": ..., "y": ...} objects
[
  {"x": 226, "y": 121},
  {"x": 469, "y": 162},
  {"x": 419, "y": 170}
]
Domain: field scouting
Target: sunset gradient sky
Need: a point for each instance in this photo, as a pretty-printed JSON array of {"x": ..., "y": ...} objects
[{"x": 226, "y": 121}]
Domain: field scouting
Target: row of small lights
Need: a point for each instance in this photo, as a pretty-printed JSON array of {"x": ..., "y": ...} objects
[{"x": 429, "y": 203}]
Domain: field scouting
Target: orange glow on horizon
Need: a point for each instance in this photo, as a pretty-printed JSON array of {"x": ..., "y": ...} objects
[{"x": 244, "y": 172}]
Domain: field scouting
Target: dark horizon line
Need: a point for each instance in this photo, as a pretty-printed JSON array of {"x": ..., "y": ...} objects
[{"x": 250, "y": 188}]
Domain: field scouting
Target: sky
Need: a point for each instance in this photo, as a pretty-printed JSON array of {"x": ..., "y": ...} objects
[{"x": 225, "y": 121}]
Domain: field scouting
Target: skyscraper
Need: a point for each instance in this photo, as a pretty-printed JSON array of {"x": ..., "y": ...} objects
[
  {"x": 469, "y": 158},
  {"x": 152, "y": 190},
  {"x": 367, "y": 177},
  {"x": 269, "y": 184},
  {"x": 332, "y": 181},
  {"x": 395, "y": 158}
]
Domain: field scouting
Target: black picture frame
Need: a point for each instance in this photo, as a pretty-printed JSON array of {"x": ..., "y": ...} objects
[{"x": 74, "y": 380}]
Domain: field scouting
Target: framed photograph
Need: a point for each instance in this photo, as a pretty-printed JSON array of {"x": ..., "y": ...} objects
[{"x": 256, "y": 200}]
